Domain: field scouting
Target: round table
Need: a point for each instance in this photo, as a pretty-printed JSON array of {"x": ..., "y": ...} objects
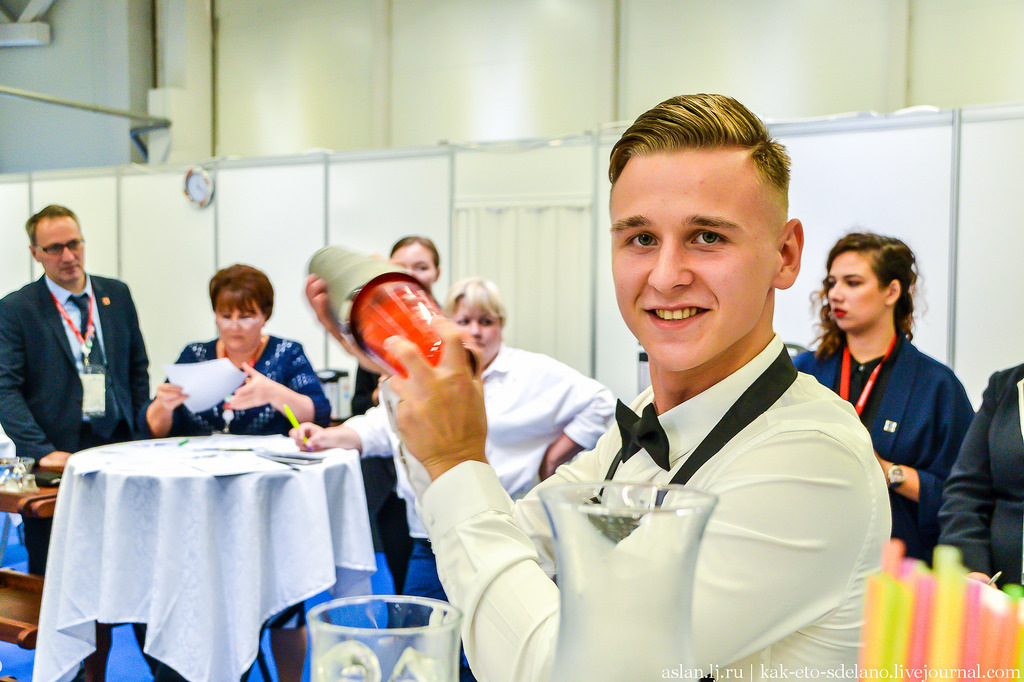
[{"x": 201, "y": 540}]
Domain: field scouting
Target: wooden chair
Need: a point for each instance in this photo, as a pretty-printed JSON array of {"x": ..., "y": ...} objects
[{"x": 21, "y": 593}]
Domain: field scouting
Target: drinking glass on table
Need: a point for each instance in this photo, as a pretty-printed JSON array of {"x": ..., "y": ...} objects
[
  {"x": 385, "y": 639},
  {"x": 15, "y": 476}
]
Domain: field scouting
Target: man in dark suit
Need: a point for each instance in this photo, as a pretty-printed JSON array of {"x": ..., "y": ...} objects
[{"x": 73, "y": 366}]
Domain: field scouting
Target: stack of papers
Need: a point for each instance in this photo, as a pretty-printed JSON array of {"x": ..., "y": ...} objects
[
  {"x": 217, "y": 455},
  {"x": 205, "y": 383}
]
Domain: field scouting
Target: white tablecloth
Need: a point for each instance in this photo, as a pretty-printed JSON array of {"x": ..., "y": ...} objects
[{"x": 202, "y": 560}]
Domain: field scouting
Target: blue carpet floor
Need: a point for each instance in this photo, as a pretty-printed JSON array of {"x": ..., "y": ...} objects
[{"x": 126, "y": 663}]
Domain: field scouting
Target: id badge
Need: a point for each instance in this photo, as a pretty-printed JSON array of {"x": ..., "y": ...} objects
[{"x": 94, "y": 391}]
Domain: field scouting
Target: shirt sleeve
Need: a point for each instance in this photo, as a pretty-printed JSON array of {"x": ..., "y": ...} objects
[
  {"x": 374, "y": 431},
  {"x": 494, "y": 559},
  {"x": 589, "y": 406}
]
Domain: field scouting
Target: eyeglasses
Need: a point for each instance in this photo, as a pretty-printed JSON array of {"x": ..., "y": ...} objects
[
  {"x": 244, "y": 322},
  {"x": 75, "y": 245}
]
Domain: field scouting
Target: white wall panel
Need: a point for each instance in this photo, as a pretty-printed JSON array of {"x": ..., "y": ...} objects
[
  {"x": 500, "y": 69},
  {"x": 93, "y": 198},
  {"x": 534, "y": 255},
  {"x": 615, "y": 347},
  {"x": 550, "y": 170},
  {"x": 783, "y": 59},
  {"x": 167, "y": 247},
  {"x": 272, "y": 217},
  {"x": 893, "y": 181},
  {"x": 944, "y": 65},
  {"x": 525, "y": 222},
  {"x": 15, "y": 258},
  {"x": 375, "y": 201},
  {"x": 294, "y": 76},
  {"x": 989, "y": 317}
]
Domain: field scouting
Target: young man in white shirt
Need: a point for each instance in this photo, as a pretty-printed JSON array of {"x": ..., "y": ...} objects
[{"x": 700, "y": 242}]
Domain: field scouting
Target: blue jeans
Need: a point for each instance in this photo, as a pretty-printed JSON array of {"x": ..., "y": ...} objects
[{"x": 421, "y": 581}]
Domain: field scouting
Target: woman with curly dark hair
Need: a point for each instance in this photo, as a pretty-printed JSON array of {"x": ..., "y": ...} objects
[{"x": 914, "y": 406}]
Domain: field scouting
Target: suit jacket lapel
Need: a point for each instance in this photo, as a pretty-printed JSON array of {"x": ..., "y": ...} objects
[
  {"x": 52, "y": 319},
  {"x": 104, "y": 308},
  {"x": 896, "y": 398}
]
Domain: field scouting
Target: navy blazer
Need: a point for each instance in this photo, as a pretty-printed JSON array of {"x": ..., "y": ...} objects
[
  {"x": 920, "y": 423},
  {"x": 40, "y": 392},
  {"x": 984, "y": 497}
]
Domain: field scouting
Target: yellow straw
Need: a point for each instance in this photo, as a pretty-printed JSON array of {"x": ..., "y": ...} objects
[{"x": 944, "y": 649}]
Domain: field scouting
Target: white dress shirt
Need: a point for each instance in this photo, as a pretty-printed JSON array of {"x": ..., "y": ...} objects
[
  {"x": 6, "y": 445},
  {"x": 531, "y": 400},
  {"x": 801, "y": 518}
]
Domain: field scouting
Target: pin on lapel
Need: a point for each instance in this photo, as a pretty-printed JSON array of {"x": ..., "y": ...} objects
[
  {"x": 889, "y": 426},
  {"x": 106, "y": 300}
]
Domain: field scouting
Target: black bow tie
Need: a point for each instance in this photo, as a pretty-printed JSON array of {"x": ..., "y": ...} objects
[{"x": 642, "y": 432}]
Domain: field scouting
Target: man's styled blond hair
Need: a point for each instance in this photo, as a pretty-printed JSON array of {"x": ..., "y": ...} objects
[{"x": 704, "y": 122}]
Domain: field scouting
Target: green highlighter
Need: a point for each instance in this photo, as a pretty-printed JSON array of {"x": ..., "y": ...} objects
[{"x": 291, "y": 417}]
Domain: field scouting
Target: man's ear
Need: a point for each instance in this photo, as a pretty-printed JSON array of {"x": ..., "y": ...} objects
[{"x": 791, "y": 247}]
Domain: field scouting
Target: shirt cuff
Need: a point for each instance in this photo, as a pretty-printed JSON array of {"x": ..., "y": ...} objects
[
  {"x": 583, "y": 433},
  {"x": 460, "y": 493}
]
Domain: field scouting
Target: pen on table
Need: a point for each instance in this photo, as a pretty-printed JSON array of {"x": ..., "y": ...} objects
[
  {"x": 182, "y": 442},
  {"x": 295, "y": 422},
  {"x": 993, "y": 579}
]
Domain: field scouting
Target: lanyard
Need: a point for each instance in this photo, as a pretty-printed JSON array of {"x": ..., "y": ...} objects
[
  {"x": 90, "y": 330},
  {"x": 844, "y": 378}
]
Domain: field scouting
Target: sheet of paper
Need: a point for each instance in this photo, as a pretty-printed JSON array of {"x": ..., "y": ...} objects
[
  {"x": 91, "y": 462},
  {"x": 152, "y": 457},
  {"x": 233, "y": 442},
  {"x": 205, "y": 383},
  {"x": 217, "y": 455},
  {"x": 233, "y": 463}
]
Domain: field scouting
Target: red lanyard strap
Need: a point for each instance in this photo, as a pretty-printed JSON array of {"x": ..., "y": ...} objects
[
  {"x": 844, "y": 379},
  {"x": 89, "y": 330}
]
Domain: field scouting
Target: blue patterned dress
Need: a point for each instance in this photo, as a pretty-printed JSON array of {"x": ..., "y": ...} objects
[{"x": 282, "y": 361}]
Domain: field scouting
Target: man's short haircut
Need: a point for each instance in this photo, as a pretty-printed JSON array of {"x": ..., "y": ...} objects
[
  {"x": 478, "y": 294},
  {"x": 703, "y": 122},
  {"x": 51, "y": 211}
]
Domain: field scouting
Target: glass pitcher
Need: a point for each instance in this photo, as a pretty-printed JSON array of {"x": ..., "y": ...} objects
[{"x": 626, "y": 557}]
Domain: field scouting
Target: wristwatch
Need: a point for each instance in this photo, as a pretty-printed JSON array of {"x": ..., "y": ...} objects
[{"x": 896, "y": 476}]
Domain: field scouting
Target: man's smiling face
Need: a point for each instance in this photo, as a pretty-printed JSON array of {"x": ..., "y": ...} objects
[{"x": 699, "y": 245}]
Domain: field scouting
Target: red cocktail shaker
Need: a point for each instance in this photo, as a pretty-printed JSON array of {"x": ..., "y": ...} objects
[{"x": 373, "y": 301}]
